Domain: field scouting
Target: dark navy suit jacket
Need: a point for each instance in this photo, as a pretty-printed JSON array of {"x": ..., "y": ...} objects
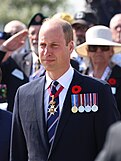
[{"x": 79, "y": 136}]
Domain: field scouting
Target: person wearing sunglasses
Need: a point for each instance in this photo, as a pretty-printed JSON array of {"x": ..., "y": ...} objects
[
  {"x": 99, "y": 49},
  {"x": 82, "y": 21}
]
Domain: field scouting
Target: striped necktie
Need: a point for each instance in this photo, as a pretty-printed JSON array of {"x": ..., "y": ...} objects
[{"x": 53, "y": 110}]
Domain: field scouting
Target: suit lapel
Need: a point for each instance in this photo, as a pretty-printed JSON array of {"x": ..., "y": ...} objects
[{"x": 39, "y": 105}]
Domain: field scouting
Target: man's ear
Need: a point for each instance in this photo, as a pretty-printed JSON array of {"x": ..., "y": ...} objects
[{"x": 71, "y": 46}]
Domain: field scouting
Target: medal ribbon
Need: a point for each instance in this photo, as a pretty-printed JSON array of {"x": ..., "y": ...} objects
[
  {"x": 75, "y": 101},
  {"x": 95, "y": 98},
  {"x": 82, "y": 99},
  {"x": 57, "y": 93},
  {"x": 90, "y": 96},
  {"x": 87, "y": 99}
]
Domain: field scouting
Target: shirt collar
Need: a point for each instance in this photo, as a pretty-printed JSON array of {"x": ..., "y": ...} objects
[{"x": 66, "y": 77}]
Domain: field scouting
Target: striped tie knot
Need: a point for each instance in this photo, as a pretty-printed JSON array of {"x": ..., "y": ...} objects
[{"x": 53, "y": 87}]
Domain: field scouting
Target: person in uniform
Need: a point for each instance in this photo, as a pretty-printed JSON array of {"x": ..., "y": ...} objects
[{"x": 19, "y": 68}]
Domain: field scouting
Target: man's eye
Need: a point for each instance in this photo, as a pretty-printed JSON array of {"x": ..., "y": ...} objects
[
  {"x": 32, "y": 33},
  {"x": 54, "y": 45},
  {"x": 42, "y": 45}
]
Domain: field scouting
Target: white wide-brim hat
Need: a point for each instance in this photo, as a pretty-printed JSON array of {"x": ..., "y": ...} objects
[{"x": 98, "y": 35}]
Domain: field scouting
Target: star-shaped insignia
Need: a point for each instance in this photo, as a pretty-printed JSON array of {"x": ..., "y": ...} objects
[{"x": 52, "y": 110}]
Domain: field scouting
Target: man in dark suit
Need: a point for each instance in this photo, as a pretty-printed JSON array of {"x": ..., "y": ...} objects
[
  {"x": 5, "y": 132},
  {"x": 112, "y": 146},
  {"x": 66, "y": 123}
]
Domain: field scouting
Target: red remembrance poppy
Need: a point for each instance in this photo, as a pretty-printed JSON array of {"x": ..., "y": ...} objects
[
  {"x": 76, "y": 89},
  {"x": 112, "y": 81}
]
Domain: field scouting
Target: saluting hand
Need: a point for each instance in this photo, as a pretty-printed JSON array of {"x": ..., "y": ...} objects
[{"x": 15, "y": 41}]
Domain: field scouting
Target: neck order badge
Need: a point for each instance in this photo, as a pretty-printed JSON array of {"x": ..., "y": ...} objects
[{"x": 53, "y": 110}]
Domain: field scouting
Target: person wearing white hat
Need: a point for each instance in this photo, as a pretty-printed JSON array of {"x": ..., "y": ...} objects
[
  {"x": 99, "y": 48},
  {"x": 83, "y": 20}
]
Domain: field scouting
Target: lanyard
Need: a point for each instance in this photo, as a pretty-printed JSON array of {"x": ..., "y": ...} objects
[{"x": 106, "y": 73}]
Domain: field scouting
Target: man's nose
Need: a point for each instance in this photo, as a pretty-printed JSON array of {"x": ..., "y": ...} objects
[{"x": 47, "y": 50}]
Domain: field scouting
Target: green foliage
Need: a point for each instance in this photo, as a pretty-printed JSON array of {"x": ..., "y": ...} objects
[{"x": 23, "y": 10}]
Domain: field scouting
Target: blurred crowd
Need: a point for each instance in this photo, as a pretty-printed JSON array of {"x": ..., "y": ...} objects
[{"x": 97, "y": 54}]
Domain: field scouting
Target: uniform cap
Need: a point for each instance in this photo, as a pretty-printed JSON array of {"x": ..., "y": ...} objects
[
  {"x": 4, "y": 35},
  {"x": 37, "y": 19},
  {"x": 85, "y": 18}
]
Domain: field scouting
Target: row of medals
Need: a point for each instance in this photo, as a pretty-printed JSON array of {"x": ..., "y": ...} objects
[{"x": 86, "y": 108}]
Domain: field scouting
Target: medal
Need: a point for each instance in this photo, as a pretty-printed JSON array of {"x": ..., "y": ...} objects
[
  {"x": 53, "y": 106},
  {"x": 52, "y": 109},
  {"x": 52, "y": 102},
  {"x": 94, "y": 108},
  {"x": 95, "y": 102},
  {"x": 113, "y": 90},
  {"x": 74, "y": 109},
  {"x": 87, "y": 108},
  {"x": 74, "y": 99},
  {"x": 81, "y": 103},
  {"x": 81, "y": 109}
]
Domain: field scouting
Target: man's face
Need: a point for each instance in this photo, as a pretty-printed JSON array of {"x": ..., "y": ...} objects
[
  {"x": 33, "y": 37},
  {"x": 79, "y": 31},
  {"x": 54, "y": 53}
]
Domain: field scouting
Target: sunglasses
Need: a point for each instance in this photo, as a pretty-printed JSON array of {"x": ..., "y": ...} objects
[{"x": 93, "y": 48}]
